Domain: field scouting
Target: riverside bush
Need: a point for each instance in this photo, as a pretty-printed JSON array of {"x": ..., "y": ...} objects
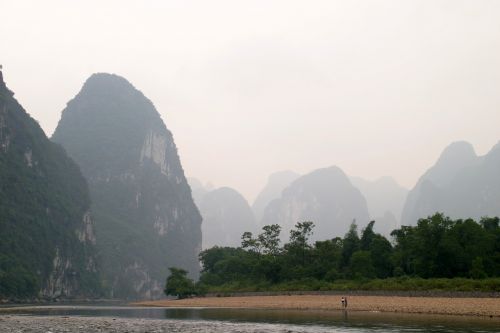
[{"x": 419, "y": 258}]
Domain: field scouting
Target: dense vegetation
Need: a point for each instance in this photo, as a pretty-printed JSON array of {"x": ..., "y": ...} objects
[
  {"x": 421, "y": 257},
  {"x": 43, "y": 200},
  {"x": 178, "y": 284}
]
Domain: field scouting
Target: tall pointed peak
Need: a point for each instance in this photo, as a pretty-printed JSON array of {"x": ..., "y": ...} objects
[
  {"x": 2, "y": 84},
  {"x": 331, "y": 171},
  {"x": 280, "y": 176},
  {"x": 456, "y": 152},
  {"x": 113, "y": 90},
  {"x": 102, "y": 82},
  {"x": 129, "y": 156}
]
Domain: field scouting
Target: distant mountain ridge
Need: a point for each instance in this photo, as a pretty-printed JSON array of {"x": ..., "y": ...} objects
[
  {"x": 460, "y": 185},
  {"x": 385, "y": 199},
  {"x": 276, "y": 183},
  {"x": 324, "y": 196},
  {"x": 145, "y": 215},
  {"x": 226, "y": 216},
  {"x": 198, "y": 190},
  {"x": 47, "y": 239}
]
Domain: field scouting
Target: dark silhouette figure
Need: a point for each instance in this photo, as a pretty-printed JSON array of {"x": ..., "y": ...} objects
[{"x": 344, "y": 302}]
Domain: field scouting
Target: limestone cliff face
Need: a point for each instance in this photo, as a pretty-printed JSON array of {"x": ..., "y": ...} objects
[
  {"x": 146, "y": 220},
  {"x": 47, "y": 239},
  {"x": 460, "y": 185},
  {"x": 324, "y": 196}
]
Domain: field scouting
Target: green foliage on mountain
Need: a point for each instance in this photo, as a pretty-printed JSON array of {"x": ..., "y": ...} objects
[
  {"x": 45, "y": 230},
  {"x": 146, "y": 220},
  {"x": 437, "y": 247}
]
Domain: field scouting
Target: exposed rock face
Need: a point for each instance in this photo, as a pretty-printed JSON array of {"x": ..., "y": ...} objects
[
  {"x": 385, "y": 199},
  {"x": 276, "y": 183},
  {"x": 146, "y": 220},
  {"x": 460, "y": 185},
  {"x": 326, "y": 197},
  {"x": 46, "y": 230},
  {"x": 226, "y": 216}
]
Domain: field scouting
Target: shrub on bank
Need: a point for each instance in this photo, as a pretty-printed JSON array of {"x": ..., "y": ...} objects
[{"x": 389, "y": 284}]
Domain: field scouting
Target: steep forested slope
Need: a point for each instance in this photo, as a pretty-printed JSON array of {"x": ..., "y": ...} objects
[{"x": 46, "y": 229}]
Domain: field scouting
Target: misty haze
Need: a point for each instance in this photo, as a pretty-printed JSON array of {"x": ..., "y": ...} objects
[{"x": 172, "y": 152}]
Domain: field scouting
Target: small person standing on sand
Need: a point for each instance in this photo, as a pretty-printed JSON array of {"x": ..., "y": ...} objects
[{"x": 343, "y": 300}]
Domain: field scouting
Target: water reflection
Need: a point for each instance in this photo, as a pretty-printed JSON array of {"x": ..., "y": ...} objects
[{"x": 344, "y": 319}]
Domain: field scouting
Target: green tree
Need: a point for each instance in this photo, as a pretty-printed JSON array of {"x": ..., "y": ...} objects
[
  {"x": 270, "y": 239},
  {"x": 430, "y": 249},
  {"x": 178, "y": 284},
  {"x": 210, "y": 257},
  {"x": 299, "y": 238},
  {"x": 381, "y": 253},
  {"x": 326, "y": 259},
  {"x": 492, "y": 226},
  {"x": 361, "y": 265},
  {"x": 351, "y": 244},
  {"x": 367, "y": 236},
  {"x": 226, "y": 264},
  {"x": 403, "y": 257},
  {"x": 250, "y": 243},
  {"x": 380, "y": 250},
  {"x": 477, "y": 269},
  {"x": 441, "y": 247},
  {"x": 458, "y": 248}
]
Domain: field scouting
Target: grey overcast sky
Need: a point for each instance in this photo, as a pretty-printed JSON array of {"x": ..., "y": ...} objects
[{"x": 252, "y": 87}]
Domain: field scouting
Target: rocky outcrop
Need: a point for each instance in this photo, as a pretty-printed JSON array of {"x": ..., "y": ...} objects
[
  {"x": 324, "y": 196},
  {"x": 460, "y": 185},
  {"x": 146, "y": 220},
  {"x": 226, "y": 216},
  {"x": 276, "y": 183},
  {"x": 46, "y": 229}
]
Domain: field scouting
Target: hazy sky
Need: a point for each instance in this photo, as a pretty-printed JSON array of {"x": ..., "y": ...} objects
[{"x": 252, "y": 87}]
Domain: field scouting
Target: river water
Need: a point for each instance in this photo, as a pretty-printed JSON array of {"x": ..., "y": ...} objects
[{"x": 251, "y": 320}]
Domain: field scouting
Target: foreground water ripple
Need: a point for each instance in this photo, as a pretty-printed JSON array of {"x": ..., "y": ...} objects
[{"x": 106, "y": 319}]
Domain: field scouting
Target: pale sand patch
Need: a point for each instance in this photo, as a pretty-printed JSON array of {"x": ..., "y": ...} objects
[{"x": 427, "y": 305}]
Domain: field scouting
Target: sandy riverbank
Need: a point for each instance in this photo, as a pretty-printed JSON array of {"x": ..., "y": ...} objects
[{"x": 489, "y": 307}]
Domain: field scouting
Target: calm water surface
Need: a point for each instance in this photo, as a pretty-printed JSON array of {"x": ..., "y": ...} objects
[{"x": 309, "y": 321}]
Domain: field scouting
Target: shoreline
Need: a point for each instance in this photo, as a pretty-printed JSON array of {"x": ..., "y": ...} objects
[{"x": 465, "y": 306}]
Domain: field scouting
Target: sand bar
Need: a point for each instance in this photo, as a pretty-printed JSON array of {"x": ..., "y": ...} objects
[{"x": 489, "y": 307}]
